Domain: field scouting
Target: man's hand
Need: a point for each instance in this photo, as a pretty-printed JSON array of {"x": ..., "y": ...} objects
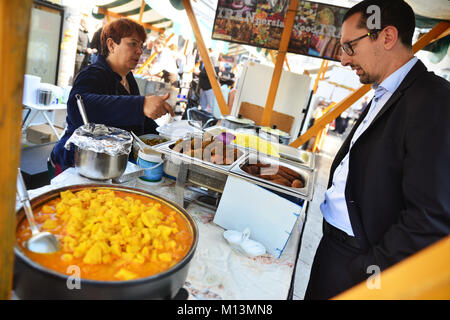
[{"x": 156, "y": 106}]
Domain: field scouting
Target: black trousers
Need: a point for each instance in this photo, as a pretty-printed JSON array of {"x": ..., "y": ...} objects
[{"x": 330, "y": 273}]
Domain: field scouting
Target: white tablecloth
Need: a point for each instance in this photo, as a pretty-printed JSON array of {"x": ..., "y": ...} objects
[{"x": 216, "y": 271}]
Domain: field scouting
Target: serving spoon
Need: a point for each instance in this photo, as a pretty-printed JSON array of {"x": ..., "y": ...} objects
[{"x": 40, "y": 242}]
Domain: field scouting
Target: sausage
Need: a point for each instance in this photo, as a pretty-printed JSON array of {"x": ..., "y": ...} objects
[
  {"x": 297, "y": 184},
  {"x": 291, "y": 172},
  {"x": 205, "y": 143},
  {"x": 198, "y": 153},
  {"x": 180, "y": 145},
  {"x": 268, "y": 176},
  {"x": 253, "y": 169},
  {"x": 268, "y": 170},
  {"x": 283, "y": 182},
  {"x": 263, "y": 165},
  {"x": 285, "y": 175}
]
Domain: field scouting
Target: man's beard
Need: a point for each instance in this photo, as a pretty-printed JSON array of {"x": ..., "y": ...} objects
[{"x": 366, "y": 78}]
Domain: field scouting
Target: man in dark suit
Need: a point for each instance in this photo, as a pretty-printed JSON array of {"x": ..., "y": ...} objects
[{"x": 389, "y": 188}]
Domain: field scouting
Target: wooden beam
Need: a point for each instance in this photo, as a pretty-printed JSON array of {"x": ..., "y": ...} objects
[
  {"x": 141, "y": 12},
  {"x": 285, "y": 37},
  {"x": 152, "y": 57},
  {"x": 287, "y": 63},
  {"x": 272, "y": 57},
  {"x": 423, "y": 276},
  {"x": 440, "y": 28},
  {"x": 348, "y": 101},
  {"x": 186, "y": 47},
  {"x": 205, "y": 58},
  {"x": 316, "y": 83},
  {"x": 324, "y": 70},
  {"x": 118, "y": 16},
  {"x": 14, "y": 29}
]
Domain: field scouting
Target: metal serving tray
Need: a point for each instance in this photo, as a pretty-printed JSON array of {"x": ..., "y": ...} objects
[
  {"x": 175, "y": 157},
  {"x": 304, "y": 158},
  {"x": 309, "y": 175}
]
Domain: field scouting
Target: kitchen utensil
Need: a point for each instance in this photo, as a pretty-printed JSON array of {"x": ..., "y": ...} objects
[
  {"x": 196, "y": 125},
  {"x": 40, "y": 242},
  {"x": 81, "y": 108}
]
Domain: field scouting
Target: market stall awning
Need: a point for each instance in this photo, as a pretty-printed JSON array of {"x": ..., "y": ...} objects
[{"x": 137, "y": 10}]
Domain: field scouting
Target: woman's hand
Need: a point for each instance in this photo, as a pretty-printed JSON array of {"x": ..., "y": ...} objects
[{"x": 156, "y": 106}]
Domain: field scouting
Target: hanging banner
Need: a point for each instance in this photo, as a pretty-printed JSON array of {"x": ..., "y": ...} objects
[{"x": 316, "y": 31}]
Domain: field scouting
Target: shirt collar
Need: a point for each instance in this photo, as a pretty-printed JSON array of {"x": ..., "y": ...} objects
[{"x": 392, "y": 82}]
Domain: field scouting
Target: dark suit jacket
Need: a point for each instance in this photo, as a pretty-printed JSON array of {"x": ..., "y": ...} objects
[{"x": 398, "y": 185}]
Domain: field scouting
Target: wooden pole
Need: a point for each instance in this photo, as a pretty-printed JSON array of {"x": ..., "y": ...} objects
[
  {"x": 423, "y": 276},
  {"x": 118, "y": 16},
  {"x": 14, "y": 26},
  {"x": 287, "y": 63},
  {"x": 186, "y": 47},
  {"x": 316, "y": 83},
  {"x": 285, "y": 37},
  {"x": 205, "y": 58},
  {"x": 152, "y": 57},
  {"x": 348, "y": 101},
  {"x": 324, "y": 70},
  {"x": 141, "y": 12}
]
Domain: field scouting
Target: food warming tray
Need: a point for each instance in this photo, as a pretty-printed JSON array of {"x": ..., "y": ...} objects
[
  {"x": 308, "y": 175},
  {"x": 298, "y": 156},
  {"x": 214, "y": 176}
]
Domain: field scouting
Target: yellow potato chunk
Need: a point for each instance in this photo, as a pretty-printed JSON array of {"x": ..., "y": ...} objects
[
  {"x": 93, "y": 256},
  {"x": 124, "y": 274},
  {"x": 50, "y": 224}
]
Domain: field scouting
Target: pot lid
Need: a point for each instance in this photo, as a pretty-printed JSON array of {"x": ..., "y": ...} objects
[
  {"x": 239, "y": 119},
  {"x": 275, "y": 131}
]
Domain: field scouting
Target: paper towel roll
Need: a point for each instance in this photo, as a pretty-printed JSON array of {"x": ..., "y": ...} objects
[{"x": 30, "y": 85}]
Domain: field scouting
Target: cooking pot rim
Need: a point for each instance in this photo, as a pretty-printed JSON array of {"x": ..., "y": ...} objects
[
  {"x": 186, "y": 259},
  {"x": 241, "y": 121}
]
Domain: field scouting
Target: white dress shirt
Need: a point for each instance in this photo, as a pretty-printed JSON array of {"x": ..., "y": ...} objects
[{"x": 334, "y": 208}]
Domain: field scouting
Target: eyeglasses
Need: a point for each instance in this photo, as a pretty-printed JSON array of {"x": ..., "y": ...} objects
[{"x": 347, "y": 46}]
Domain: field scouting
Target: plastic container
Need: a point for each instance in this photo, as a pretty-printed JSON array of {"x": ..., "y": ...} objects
[{"x": 153, "y": 166}]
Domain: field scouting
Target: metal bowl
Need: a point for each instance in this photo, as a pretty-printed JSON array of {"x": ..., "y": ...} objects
[
  {"x": 99, "y": 166},
  {"x": 33, "y": 281}
]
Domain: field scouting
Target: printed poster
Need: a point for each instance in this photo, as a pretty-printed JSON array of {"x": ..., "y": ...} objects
[{"x": 316, "y": 31}]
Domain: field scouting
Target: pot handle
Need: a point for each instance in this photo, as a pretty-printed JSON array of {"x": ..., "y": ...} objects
[
  {"x": 81, "y": 108},
  {"x": 153, "y": 166}
]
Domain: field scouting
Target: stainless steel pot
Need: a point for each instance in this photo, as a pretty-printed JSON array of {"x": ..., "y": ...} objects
[
  {"x": 33, "y": 281},
  {"x": 233, "y": 122},
  {"x": 100, "y": 166}
]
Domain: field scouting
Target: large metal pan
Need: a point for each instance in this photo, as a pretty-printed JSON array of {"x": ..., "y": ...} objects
[{"x": 33, "y": 281}]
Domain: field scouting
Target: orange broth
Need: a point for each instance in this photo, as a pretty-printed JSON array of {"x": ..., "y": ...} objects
[{"x": 115, "y": 263}]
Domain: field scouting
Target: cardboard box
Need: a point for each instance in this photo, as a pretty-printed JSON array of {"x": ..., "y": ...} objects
[{"x": 42, "y": 134}]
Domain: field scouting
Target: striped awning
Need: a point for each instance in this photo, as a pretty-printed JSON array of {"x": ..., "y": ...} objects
[{"x": 131, "y": 9}]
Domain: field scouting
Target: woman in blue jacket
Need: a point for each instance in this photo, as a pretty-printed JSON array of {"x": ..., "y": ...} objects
[{"x": 110, "y": 92}]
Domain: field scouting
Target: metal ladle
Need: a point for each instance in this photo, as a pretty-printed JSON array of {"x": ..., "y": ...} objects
[{"x": 40, "y": 242}]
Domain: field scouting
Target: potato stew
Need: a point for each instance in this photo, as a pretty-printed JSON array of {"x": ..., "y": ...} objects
[{"x": 110, "y": 235}]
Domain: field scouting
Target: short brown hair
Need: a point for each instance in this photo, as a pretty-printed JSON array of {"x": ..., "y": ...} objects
[
  {"x": 395, "y": 13},
  {"x": 119, "y": 29}
]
